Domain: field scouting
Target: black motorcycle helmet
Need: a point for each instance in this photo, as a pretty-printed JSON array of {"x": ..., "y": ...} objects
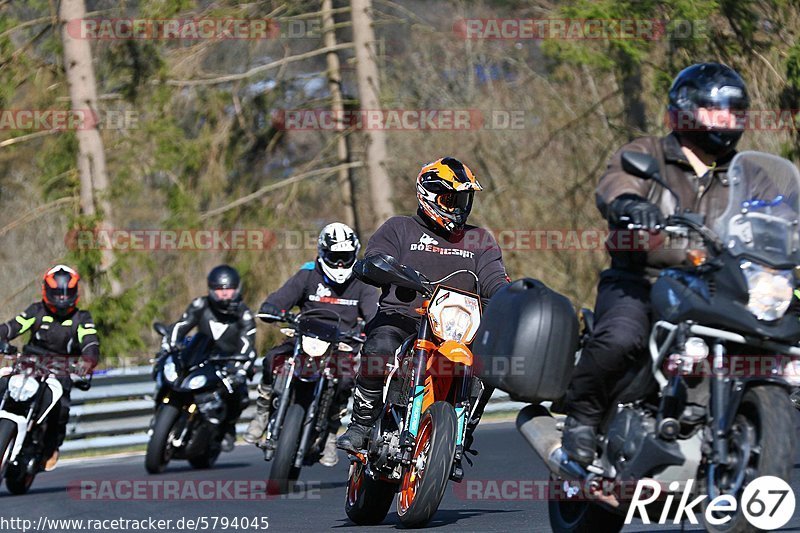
[
  {"x": 60, "y": 290},
  {"x": 224, "y": 278},
  {"x": 712, "y": 86}
]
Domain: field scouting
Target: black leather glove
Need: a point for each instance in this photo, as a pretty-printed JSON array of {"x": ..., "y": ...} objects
[
  {"x": 270, "y": 309},
  {"x": 635, "y": 210}
]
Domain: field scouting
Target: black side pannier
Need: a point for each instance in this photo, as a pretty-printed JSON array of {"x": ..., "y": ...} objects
[{"x": 527, "y": 341}]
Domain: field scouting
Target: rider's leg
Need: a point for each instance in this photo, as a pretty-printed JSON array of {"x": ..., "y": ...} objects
[
  {"x": 237, "y": 402},
  {"x": 344, "y": 389},
  {"x": 57, "y": 425},
  {"x": 621, "y": 330},
  {"x": 385, "y": 334},
  {"x": 264, "y": 401}
]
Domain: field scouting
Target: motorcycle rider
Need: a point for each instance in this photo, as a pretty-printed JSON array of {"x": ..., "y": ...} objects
[
  {"x": 706, "y": 102},
  {"x": 57, "y": 325},
  {"x": 436, "y": 242},
  {"x": 326, "y": 283},
  {"x": 224, "y": 318}
]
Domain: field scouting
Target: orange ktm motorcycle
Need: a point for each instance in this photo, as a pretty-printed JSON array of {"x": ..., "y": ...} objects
[{"x": 417, "y": 443}]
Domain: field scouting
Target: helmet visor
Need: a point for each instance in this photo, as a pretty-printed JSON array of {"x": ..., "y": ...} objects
[
  {"x": 454, "y": 200},
  {"x": 723, "y": 97},
  {"x": 339, "y": 259},
  {"x": 62, "y": 296}
]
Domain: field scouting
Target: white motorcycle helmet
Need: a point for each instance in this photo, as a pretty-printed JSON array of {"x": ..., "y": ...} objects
[{"x": 337, "y": 249}]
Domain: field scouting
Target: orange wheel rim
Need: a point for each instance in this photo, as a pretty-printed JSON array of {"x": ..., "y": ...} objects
[
  {"x": 413, "y": 476},
  {"x": 354, "y": 483}
]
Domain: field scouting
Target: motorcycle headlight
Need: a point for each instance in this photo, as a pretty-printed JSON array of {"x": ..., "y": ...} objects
[
  {"x": 770, "y": 290},
  {"x": 455, "y": 323},
  {"x": 169, "y": 370},
  {"x": 197, "y": 382},
  {"x": 315, "y": 347},
  {"x": 21, "y": 388}
]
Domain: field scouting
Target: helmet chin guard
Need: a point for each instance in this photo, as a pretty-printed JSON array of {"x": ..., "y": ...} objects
[{"x": 337, "y": 275}]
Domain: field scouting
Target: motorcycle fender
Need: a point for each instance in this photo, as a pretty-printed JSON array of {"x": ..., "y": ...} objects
[
  {"x": 456, "y": 352},
  {"x": 742, "y": 385},
  {"x": 57, "y": 392},
  {"x": 749, "y": 382},
  {"x": 22, "y": 431}
]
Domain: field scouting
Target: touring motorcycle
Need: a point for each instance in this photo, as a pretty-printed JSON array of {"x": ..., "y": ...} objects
[
  {"x": 695, "y": 410},
  {"x": 417, "y": 443}
]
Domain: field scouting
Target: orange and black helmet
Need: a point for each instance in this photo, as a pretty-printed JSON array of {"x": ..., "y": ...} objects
[
  {"x": 444, "y": 191},
  {"x": 60, "y": 289}
]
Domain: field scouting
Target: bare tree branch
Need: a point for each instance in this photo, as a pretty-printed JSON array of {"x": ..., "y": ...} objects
[
  {"x": 262, "y": 68},
  {"x": 36, "y": 213},
  {"x": 283, "y": 183},
  {"x": 28, "y": 137}
]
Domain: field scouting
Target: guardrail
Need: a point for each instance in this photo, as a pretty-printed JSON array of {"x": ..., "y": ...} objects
[{"x": 116, "y": 411}]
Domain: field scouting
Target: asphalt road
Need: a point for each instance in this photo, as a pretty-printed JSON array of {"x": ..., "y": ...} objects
[{"x": 504, "y": 472}]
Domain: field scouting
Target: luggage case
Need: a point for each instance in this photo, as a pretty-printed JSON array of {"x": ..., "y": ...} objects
[{"x": 527, "y": 341}]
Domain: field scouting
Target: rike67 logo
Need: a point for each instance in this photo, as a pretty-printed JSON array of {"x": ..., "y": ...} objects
[{"x": 767, "y": 503}]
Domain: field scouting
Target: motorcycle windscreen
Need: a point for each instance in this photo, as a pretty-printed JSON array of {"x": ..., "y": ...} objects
[
  {"x": 760, "y": 219},
  {"x": 198, "y": 350},
  {"x": 321, "y": 324}
]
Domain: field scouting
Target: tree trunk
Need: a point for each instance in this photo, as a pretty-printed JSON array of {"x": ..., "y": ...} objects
[
  {"x": 91, "y": 162},
  {"x": 632, "y": 90},
  {"x": 369, "y": 91},
  {"x": 345, "y": 175}
]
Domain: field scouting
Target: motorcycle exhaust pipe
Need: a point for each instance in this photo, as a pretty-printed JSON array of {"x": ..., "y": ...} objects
[{"x": 540, "y": 429}]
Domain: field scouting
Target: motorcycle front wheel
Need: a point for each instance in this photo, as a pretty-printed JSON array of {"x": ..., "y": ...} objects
[
  {"x": 283, "y": 470},
  {"x": 159, "y": 447},
  {"x": 760, "y": 443},
  {"x": 425, "y": 481},
  {"x": 8, "y": 430}
]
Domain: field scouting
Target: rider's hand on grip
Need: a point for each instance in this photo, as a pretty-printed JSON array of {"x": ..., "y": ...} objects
[
  {"x": 635, "y": 212},
  {"x": 270, "y": 312}
]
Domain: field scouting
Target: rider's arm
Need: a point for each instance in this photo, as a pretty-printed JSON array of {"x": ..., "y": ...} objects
[
  {"x": 615, "y": 182},
  {"x": 23, "y": 322},
  {"x": 188, "y": 320},
  {"x": 385, "y": 240},
  {"x": 292, "y": 293},
  {"x": 247, "y": 341},
  {"x": 490, "y": 269},
  {"x": 87, "y": 339},
  {"x": 368, "y": 302}
]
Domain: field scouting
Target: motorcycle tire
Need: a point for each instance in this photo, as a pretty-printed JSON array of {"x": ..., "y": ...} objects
[
  {"x": 159, "y": 449},
  {"x": 421, "y": 490},
  {"x": 283, "y": 471}
]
